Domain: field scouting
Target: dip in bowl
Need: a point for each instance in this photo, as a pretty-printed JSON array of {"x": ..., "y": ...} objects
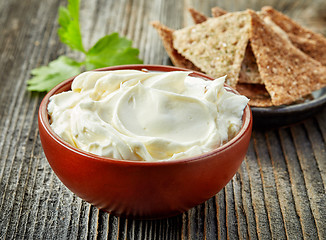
[{"x": 143, "y": 189}]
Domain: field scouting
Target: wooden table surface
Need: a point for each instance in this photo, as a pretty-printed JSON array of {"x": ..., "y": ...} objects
[{"x": 278, "y": 192}]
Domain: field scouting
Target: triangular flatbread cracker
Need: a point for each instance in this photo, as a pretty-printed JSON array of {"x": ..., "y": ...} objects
[
  {"x": 197, "y": 16},
  {"x": 257, "y": 93},
  {"x": 177, "y": 59},
  {"x": 283, "y": 75},
  {"x": 287, "y": 72},
  {"x": 217, "y": 46},
  {"x": 311, "y": 43},
  {"x": 217, "y": 12},
  {"x": 249, "y": 73},
  {"x": 249, "y": 70}
]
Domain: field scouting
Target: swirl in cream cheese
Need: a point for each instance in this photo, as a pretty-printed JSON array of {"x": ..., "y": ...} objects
[{"x": 148, "y": 116}]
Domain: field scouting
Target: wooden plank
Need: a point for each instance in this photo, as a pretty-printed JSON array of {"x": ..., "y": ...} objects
[
  {"x": 93, "y": 223},
  {"x": 221, "y": 213},
  {"x": 64, "y": 209},
  {"x": 312, "y": 177},
  {"x": 240, "y": 212},
  {"x": 301, "y": 200},
  {"x": 33, "y": 192},
  {"x": 196, "y": 223},
  {"x": 24, "y": 107},
  {"x": 247, "y": 202},
  {"x": 210, "y": 228},
  {"x": 231, "y": 219},
  {"x": 270, "y": 193},
  {"x": 75, "y": 218},
  {"x": 20, "y": 217},
  {"x": 103, "y": 225},
  {"x": 18, "y": 175},
  {"x": 51, "y": 215},
  {"x": 321, "y": 119},
  {"x": 257, "y": 194},
  {"x": 40, "y": 225},
  {"x": 84, "y": 221},
  {"x": 318, "y": 146},
  {"x": 284, "y": 192}
]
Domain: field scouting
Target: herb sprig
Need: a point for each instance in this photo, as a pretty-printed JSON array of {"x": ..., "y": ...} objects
[{"x": 110, "y": 50}]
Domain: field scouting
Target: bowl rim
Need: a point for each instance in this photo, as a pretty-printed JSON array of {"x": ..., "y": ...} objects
[{"x": 44, "y": 120}]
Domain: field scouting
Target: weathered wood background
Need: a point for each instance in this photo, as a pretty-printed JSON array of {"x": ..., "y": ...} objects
[{"x": 278, "y": 193}]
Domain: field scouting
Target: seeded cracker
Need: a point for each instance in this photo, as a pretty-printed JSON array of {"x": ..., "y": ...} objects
[
  {"x": 166, "y": 36},
  {"x": 249, "y": 70},
  {"x": 217, "y": 12},
  {"x": 217, "y": 46},
  {"x": 257, "y": 94},
  {"x": 313, "y": 44},
  {"x": 251, "y": 84},
  {"x": 288, "y": 73},
  {"x": 197, "y": 16}
]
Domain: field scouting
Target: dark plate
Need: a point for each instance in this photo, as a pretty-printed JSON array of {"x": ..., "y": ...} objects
[{"x": 284, "y": 115}]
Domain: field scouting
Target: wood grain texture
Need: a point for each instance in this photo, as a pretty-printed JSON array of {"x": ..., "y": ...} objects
[{"x": 278, "y": 192}]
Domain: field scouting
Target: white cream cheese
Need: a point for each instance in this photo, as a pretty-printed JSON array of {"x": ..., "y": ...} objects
[{"x": 148, "y": 116}]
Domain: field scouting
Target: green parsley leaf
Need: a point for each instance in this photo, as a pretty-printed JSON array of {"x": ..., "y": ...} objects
[
  {"x": 108, "y": 51},
  {"x": 69, "y": 31},
  {"x": 46, "y": 77},
  {"x": 111, "y": 50}
]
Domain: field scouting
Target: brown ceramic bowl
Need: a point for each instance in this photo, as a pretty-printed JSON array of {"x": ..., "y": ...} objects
[{"x": 142, "y": 189}]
